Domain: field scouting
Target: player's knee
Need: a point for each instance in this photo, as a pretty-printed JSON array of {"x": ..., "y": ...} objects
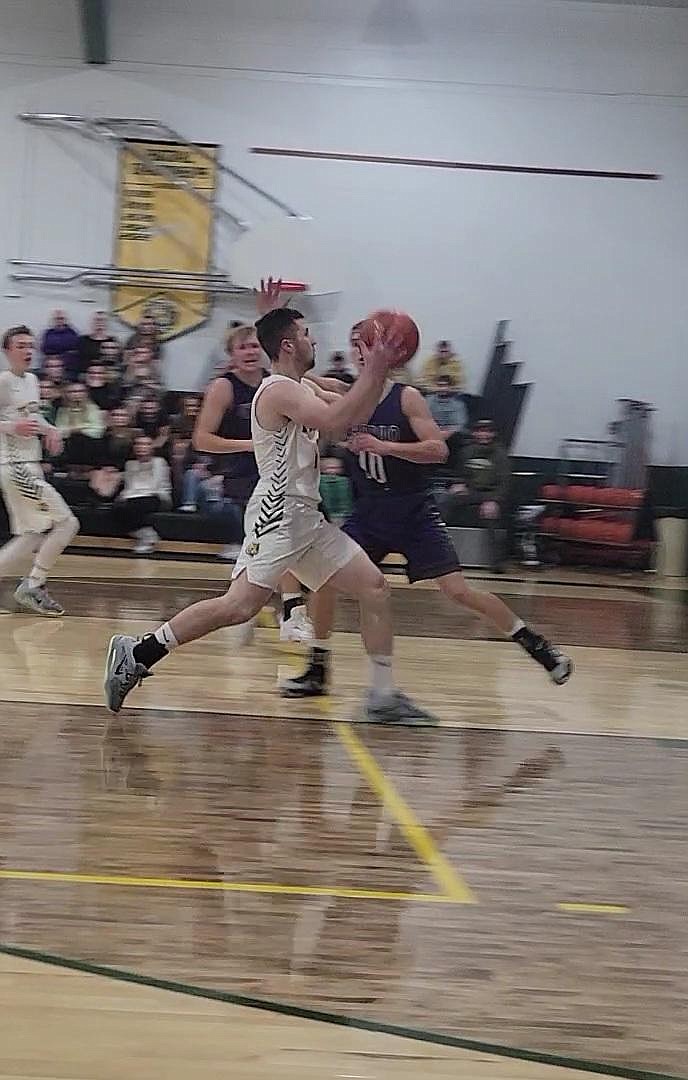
[
  {"x": 236, "y": 607},
  {"x": 377, "y": 588},
  {"x": 73, "y": 525},
  {"x": 67, "y": 527},
  {"x": 455, "y": 587}
]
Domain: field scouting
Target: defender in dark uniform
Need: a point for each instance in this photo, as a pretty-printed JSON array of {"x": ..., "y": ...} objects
[
  {"x": 390, "y": 461},
  {"x": 224, "y": 428}
]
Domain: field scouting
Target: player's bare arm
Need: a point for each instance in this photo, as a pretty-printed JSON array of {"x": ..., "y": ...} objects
[
  {"x": 218, "y": 400},
  {"x": 431, "y": 449},
  {"x": 329, "y": 385},
  {"x": 294, "y": 401}
]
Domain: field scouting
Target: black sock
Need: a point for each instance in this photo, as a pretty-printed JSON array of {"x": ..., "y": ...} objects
[
  {"x": 319, "y": 659},
  {"x": 289, "y": 605},
  {"x": 149, "y": 651},
  {"x": 527, "y": 638}
]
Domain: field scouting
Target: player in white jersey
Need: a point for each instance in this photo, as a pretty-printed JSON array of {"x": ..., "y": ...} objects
[
  {"x": 285, "y": 530},
  {"x": 41, "y": 522}
]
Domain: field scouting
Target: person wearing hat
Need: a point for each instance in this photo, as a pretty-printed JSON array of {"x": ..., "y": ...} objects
[{"x": 484, "y": 476}]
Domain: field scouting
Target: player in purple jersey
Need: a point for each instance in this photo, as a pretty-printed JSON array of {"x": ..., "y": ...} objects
[{"x": 389, "y": 461}]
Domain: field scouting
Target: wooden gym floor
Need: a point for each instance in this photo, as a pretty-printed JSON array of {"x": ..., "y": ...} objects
[{"x": 515, "y": 879}]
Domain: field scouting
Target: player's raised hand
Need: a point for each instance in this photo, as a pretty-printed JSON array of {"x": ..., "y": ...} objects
[
  {"x": 269, "y": 296},
  {"x": 383, "y": 353}
]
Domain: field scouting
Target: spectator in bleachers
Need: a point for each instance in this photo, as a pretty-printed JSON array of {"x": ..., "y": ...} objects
[
  {"x": 91, "y": 345},
  {"x": 447, "y": 407},
  {"x": 140, "y": 380},
  {"x": 205, "y": 489},
  {"x": 106, "y": 394},
  {"x": 146, "y": 491},
  {"x": 182, "y": 458},
  {"x": 118, "y": 441},
  {"x": 50, "y": 400},
  {"x": 152, "y": 420},
  {"x": 481, "y": 488},
  {"x": 111, "y": 354},
  {"x": 195, "y": 472},
  {"x": 81, "y": 424},
  {"x": 444, "y": 361},
  {"x": 339, "y": 369},
  {"x": 184, "y": 421},
  {"x": 53, "y": 370},
  {"x": 61, "y": 339},
  {"x": 147, "y": 334},
  {"x": 335, "y": 490}
]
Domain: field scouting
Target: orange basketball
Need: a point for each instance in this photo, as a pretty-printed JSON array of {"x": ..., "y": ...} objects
[{"x": 397, "y": 324}]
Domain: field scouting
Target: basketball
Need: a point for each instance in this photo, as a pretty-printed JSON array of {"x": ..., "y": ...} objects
[{"x": 396, "y": 323}]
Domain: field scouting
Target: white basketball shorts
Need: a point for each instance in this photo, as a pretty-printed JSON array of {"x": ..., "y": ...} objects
[
  {"x": 32, "y": 504},
  {"x": 304, "y": 543}
]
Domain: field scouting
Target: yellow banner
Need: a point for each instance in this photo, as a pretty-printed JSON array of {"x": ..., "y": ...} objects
[{"x": 163, "y": 227}]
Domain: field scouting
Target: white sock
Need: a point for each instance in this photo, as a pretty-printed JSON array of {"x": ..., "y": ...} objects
[
  {"x": 321, "y": 643},
  {"x": 166, "y": 638},
  {"x": 37, "y": 577},
  {"x": 518, "y": 625},
  {"x": 381, "y": 679}
]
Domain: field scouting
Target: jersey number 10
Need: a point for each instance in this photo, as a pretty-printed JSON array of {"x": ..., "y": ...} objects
[{"x": 373, "y": 466}]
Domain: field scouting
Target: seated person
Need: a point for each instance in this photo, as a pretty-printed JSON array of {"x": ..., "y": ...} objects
[
  {"x": 90, "y": 345},
  {"x": 111, "y": 355},
  {"x": 184, "y": 422},
  {"x": 147, "y": 334},
  {"x": 53, "y": 370},
  {"x": 105, "y": 392},
  {"x": 481, "y": 488},
  {"x": 118, "y": 441},
  {"x": 152, "y": 420},
  {"x": 61, "y": 339},
  {"x": 444, "y": 361},
  {"x": 339, "y": 369},
  {"x": 181, "y": 458},
  {"x": 140, "y": 368},
  {"x": 447, "y": 407},
  {"x": 81, "y": 424},
  {"x": 51, "y": 399},
  {"x": 145, "y": 492}
]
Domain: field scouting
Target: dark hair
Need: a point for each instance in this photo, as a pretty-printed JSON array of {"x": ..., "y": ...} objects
[
  {"x": 274, "y": 327},
  {"x": 13, "y": 332}
]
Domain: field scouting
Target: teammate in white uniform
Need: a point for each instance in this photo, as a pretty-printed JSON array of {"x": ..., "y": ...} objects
[
  {"x": 42, "y": 523},
  {"x": 285, "y": 530}
]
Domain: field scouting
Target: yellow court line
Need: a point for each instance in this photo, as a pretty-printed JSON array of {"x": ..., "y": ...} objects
[
  {"x": 595, "y": 909},
  {"x": 65, "y": 877},
  {"x": 451, "y": 884}
]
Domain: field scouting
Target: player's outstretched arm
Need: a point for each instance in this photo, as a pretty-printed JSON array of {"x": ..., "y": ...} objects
[
  {"x": 299, "y": 403},
  {"x": 328, "y": 384},
  {"x": 431, "y": 449}
]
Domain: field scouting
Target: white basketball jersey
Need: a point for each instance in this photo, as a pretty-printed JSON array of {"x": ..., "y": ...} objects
[
  {"x": 288, "y": 465},
  {"x": 19, "y": 399}
]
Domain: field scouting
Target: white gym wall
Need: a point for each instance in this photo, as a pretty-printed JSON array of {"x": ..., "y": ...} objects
[{"x": 593, "y": 274}]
